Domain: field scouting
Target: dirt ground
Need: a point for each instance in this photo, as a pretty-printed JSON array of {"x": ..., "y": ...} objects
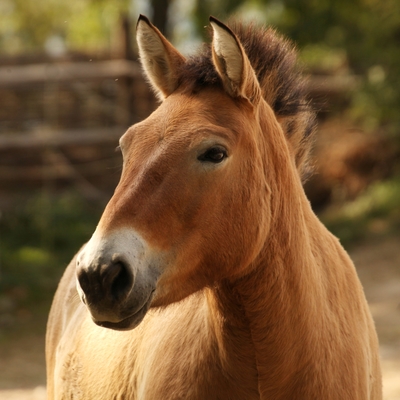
[
  {"x": 22, "y": 364},
  {"x": 378, "y": 266}
]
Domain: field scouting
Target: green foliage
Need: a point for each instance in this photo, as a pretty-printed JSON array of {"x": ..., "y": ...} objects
[
  {"x": 39, "y": 238},
  {"x": 360, "y": 35},
  {"x": 367, "y": 32},
  {"x": 375, "y": 212},
  {"x": 83, "y": 24},
  {"x": 27, "y": 23},
  {"x": 323, "y": 59},
  {"x": 93, "y": 26}
]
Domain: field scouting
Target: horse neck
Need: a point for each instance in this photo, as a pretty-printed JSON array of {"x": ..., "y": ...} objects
[
  {"x": 266, "y": 318},
  {"x": 274, "y": 304}
]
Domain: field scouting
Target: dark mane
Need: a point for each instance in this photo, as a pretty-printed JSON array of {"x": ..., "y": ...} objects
[{"x": 283, "y": 86}]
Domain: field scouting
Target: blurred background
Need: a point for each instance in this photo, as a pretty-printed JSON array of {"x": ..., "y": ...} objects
[{"x": 70, "y": 85}]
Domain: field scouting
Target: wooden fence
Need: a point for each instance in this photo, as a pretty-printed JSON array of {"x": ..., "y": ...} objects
[{"x": 60, "y": 122}]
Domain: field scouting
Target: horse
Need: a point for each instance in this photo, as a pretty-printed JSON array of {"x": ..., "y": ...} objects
[{"x": 208, "y": 275}]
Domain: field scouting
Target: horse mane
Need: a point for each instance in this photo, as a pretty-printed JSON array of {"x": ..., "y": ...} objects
[{"x": 274, "y": 60}]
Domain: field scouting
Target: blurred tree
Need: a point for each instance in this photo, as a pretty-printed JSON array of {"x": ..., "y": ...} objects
[
  {"x": 369, "y": 33},
  {"x": 219, "y": 9},
  {"x": 82, "y": 24},
  {"x": 361, "y": 34},
  {"x": 160, "y": 14},
  {"x": 27, "y": 23}
]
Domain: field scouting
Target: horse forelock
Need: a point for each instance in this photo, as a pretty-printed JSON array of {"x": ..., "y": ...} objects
[{"x": 274, "y": 60}]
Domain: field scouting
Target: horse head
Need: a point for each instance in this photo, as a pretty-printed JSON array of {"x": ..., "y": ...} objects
[{"x": 192, "y": 206}]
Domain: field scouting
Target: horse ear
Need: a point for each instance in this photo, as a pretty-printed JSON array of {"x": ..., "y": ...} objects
[
  {"x": 232, "y": 63},
  {"x": 160, "y": 60}
]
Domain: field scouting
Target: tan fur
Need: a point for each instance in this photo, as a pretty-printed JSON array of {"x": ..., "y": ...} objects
[{"x": 255, "y": 298}]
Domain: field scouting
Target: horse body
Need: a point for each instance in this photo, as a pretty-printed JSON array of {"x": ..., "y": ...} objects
[{"x": 208, "y": 265}]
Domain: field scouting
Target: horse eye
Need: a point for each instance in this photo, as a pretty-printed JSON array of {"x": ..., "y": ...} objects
[{"x": 215, "y": 155}]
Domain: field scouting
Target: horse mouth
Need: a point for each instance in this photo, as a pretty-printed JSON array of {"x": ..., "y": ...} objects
[{"x": 129, "y": 322}]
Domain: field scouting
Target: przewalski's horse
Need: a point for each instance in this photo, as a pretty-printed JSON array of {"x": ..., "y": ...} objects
[{"x": 215, "y": 278}]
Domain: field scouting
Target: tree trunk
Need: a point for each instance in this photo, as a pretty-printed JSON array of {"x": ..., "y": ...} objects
[{"x": 160, "y": 15}]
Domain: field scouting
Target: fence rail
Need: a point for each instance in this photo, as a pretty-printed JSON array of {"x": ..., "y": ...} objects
[
  {"x": 60, "y": 121},
  {"x": 67, "y": 72}
]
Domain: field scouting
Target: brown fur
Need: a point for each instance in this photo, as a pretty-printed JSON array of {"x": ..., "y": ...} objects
[
  {"x": 273, "y": 58},
  {"x": 255, "y": 299}
]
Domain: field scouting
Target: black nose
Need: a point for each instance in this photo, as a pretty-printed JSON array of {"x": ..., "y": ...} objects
[{"x": 107, "y": 282}]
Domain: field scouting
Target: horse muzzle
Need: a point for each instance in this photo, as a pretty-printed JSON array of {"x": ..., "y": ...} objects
[{"x": 116, "y": 279}]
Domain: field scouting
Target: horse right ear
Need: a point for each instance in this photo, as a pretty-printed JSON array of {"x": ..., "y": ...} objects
[
  {"x": 160, "y": 60},
  {"x": 232, "y": 64}
]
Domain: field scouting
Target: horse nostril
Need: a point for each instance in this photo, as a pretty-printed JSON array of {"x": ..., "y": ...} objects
[
  {"x": 117, "y": 280},
  {"x": 84, "y": 280},
  {"x": 107, "y": 283}
]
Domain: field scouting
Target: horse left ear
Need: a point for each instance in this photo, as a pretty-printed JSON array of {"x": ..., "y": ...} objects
[
  {"x": 160, "y": 60},
  {"x": 232, "y": 63}
]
